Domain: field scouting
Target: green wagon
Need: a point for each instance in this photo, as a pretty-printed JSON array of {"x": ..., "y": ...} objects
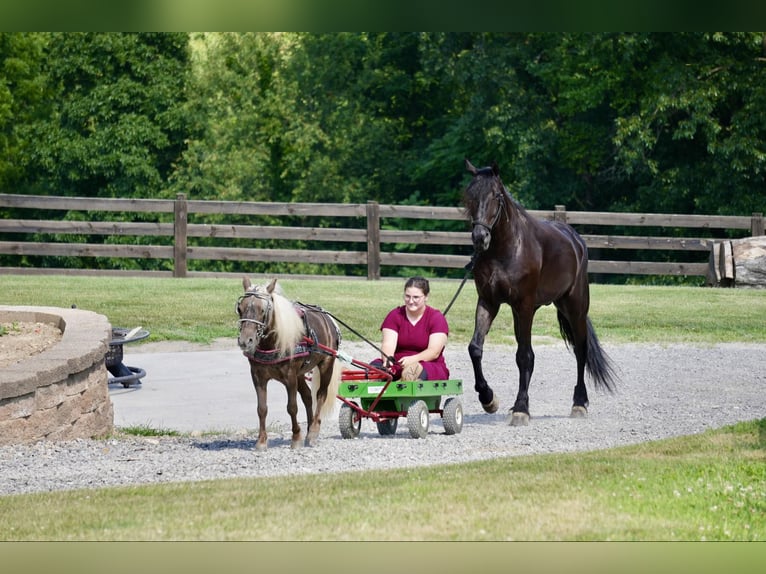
[{"x": 369, "y": 392}]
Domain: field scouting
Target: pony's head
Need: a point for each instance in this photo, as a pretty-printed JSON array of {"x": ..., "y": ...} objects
[
  {"x": 484, "y": 202},
  {"x": 266, "y": 314}
]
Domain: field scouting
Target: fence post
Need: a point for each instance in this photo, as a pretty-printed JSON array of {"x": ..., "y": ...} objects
[
  {"x": 180, "y": 213},
  {"x": 373, "y": 240},
  {"x": 756, "y": 224},
  {"x": 560, "y": 214}
]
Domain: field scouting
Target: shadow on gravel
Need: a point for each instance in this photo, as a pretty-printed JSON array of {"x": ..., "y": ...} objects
[{"x": 226, "y": 444}]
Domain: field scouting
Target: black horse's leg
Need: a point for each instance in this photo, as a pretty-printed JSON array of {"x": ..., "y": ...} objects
[
  {"x": 485, "y": 315},
  {"x": 525, "y": 361},
  {"x": 580, "y": 344},
  {"x": 263, "y": 409},
  {"x": 574, "y": 327}
]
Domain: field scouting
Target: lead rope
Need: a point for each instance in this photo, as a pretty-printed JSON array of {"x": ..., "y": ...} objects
[{"x": 468, "y": 269}]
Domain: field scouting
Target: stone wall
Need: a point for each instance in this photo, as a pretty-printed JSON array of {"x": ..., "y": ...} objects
[{"x": 61, "y": 393}]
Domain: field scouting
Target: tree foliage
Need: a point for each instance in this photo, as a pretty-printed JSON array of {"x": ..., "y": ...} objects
[
  {"x": 639, "y": 121},
  {"x": 653, "y": 122},
  {"x": 115, "y": 124}
]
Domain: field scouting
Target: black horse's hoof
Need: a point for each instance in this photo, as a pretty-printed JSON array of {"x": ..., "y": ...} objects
[
  {"x": 578, "y": 412},
  {"x": 491, "y": 406}
]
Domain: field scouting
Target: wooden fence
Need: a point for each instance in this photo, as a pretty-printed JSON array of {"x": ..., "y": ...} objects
[{"x": 380, "y": 247}]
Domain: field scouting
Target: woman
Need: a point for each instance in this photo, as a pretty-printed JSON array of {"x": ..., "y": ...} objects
[{"x": 415, "y": 334}]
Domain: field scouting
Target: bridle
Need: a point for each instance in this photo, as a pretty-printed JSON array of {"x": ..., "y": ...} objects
[
  {"x": 261, "y": 326},
  {"x": 501, "y": 209}
]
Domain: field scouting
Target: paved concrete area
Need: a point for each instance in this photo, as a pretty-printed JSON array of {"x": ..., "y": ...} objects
[{"x": 194, "y": 390}]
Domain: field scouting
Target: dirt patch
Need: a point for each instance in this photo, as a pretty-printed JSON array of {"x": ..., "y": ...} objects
[{"x": 20, "y": 340}]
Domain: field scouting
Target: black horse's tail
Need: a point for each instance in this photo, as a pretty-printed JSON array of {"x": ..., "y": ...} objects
[{"x": 598, "y": 363}]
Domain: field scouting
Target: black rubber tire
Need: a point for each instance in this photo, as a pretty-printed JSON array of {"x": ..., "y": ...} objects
[
  {"x": 348, "y": 428},
  {"x": 452, "y": 416},
  {"x": 388, "y": 427},
  {"x": 417, "y": 419}
]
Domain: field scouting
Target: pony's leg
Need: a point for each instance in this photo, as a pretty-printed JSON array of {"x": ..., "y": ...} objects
[
  {"x": 263, "y": 409},
  {"x": 485, "y": 315},
  {"x": 292, "y": 407},
  {"x": 525, "y": 361},
  {"x": 325, "y": 371},
  {"x": 305, "y": 392}
]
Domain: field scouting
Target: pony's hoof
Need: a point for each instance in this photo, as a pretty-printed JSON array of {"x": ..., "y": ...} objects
[
  {"x": 519, "y": 419},
  {"x": 491, "y": 406},
  {"x": 261, "y": 446},
  {"x": 296, "y": 444},
  {"x": 578, "y": 412},
  {"x": 311, "y": 439}
]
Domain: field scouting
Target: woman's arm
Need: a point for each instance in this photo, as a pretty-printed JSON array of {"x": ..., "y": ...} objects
[
  {"x": 436, "y": 343},
  {"x": 388, "y": 345}
]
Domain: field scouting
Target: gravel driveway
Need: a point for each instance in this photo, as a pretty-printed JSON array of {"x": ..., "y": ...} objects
[{"x": 664, "y": 391}]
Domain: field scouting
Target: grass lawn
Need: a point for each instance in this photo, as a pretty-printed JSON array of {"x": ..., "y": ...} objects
[{"x": 710, "y": 486}]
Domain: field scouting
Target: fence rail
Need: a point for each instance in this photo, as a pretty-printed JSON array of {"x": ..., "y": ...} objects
[{"x": 368, "y": 244}]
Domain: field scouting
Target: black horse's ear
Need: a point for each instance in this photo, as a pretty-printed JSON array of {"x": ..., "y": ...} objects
[
  {"x": 495, "y": 169},
  {"x": 470, "y": 167}
]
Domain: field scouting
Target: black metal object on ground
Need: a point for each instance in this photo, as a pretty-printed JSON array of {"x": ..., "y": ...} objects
[{"x": 121, "y": 373}]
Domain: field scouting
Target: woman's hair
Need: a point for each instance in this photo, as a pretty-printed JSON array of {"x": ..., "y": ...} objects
[{"x": 419, "y": 283}]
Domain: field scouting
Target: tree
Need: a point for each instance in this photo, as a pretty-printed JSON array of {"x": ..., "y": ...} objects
[
  {"x": 693, "y": 140},
  {"x": 117, "y": 122},
  {"x": 22, "y": 99}
]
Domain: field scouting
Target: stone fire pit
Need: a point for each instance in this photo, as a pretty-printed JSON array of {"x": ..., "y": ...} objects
[{"x": 59, "y": 391}]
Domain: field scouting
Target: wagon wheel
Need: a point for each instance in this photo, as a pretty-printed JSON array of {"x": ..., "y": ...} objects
[
  {"x": 417, "y": 419},
  {"x": 388, "y": 426},
  {"x": 348, "y": 428},
  {"x": 452, "y": 416}
]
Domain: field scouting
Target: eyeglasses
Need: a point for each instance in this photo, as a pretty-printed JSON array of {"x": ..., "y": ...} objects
[{"x": 414, "y": 298}]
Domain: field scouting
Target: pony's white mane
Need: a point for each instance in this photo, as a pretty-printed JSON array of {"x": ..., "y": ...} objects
[{"x": 286, "y": 323}]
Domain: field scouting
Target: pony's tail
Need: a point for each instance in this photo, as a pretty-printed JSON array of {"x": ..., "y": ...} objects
[
  {"x": 598, "y": 363},
  {"x": 328, "y": 408}
]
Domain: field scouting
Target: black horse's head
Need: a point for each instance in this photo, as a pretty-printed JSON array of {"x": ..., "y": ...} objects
[{"x": 484, "y": 201}]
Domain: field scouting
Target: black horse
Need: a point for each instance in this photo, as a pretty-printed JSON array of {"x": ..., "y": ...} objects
[{"x": 526, "y": 263}]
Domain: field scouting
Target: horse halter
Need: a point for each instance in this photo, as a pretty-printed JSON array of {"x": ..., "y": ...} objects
[
  {"x": 501, "y": 208},
  {"x": 261, "y": 326}
]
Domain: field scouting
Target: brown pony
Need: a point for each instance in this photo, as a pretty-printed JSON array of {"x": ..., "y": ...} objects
[
  {"x": 285, "y": 341},
  {"x": 526, "y": 263}
]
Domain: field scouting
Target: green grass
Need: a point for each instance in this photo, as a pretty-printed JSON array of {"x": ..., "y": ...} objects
[
  {"x": 148, "y": 430},
  {"x": 202, "y": 310},
  {"x": 710, "y": 486}
]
